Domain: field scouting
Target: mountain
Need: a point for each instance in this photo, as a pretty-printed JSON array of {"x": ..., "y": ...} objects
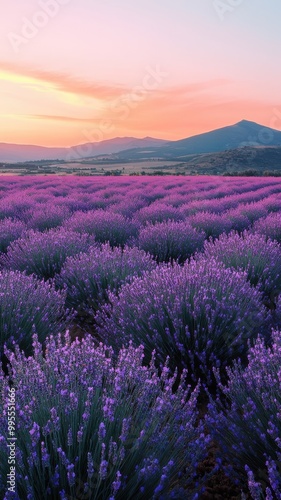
[
  {"x": 22, "y": 152},
  {"x": 243, "y": 133}
]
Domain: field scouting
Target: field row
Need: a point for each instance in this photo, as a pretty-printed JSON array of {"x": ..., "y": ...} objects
[{"x": 172, "y": 287}]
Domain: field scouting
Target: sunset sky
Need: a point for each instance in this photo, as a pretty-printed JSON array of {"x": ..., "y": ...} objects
[{"x": 74, "y": 71}]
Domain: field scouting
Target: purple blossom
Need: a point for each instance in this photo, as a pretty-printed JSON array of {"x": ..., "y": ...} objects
[
  {"x": 269, "y": 226},
  {"x": 71, "y": 474},
  {"x": 261, "y": 259},
  {"x": 45, "y": 455},
  {"x": 157, "y": 212},
  {"x": 104, "y": 225},
  {"x": 28, "y": 306},
  {"x": 35, "y": 434},
  {"x": 212, "y": 224},
  {"x": 89, "y": 277},
  {"x": 44, "y": 254},
  {"x": 201, "y": 315},
  {"x": 102, "y": 431},
  {"x": 103, "y": 469},
  {"x": 249, "y": 428},
  {"x": 10, "y": 230},
  {"x": 171, "y": 240},
  {"x": 123, "y": 387},
  {"x": 90, "y": 465}
]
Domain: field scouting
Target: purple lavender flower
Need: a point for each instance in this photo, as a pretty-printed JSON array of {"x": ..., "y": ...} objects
[
  {"x": 212, "y": 224},
  {"x": 45, "y": 253},
  {"x": 117, "y": 457},
  {"x": 47, "y": 216},
  {"x": 170, "y": 240},
  {"x": 261, "y": 259},
  {"x": 104, "y": 225},
  {"x": 249, "y": 428},
  {"x": 201, "y": 315},
  {"x": 89, "y": 276},
  {"x": 269, "y": 226},
  {"x": 157, "y": 212},
  {"x": 27, "y": 306},
  {"x": 10, "y": 230}
]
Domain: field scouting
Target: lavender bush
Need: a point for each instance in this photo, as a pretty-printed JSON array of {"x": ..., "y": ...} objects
[
  {"x": 200, "y": 314},
  {"x": 45, "y": 253},
  {"x": 28, "y": 305},
  {"x": 248, "y": 425},
  {"x": 253, "y": 211},
  {"x": 87, "y": 427},
  {"x": 171, "y": 240},
  {"x": 260, "y": 258},
  {"x": 10, "y": 230},
  {"x": 106, "y": 226},
  {"x": 157, "y": 212},
  {"x": 239, "y": 222},
  {"x": 270, "y": 226},
  {"x": 212, "y": 224},
  {"x": 89, "y": 277},
  {"x": 16, "y": 205},
  {"x": 47, "y": 217}
]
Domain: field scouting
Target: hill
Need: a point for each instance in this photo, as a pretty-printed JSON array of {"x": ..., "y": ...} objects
[
  {"x": 244, "y": 133},
  {"x": 22, "y": 152}
]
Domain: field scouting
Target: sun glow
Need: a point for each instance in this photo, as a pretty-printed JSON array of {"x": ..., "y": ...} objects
[{"x": 23, "y": 80}]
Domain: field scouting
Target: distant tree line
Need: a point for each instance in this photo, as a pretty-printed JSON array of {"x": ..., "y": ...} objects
[{"x": 253, "y": 173}]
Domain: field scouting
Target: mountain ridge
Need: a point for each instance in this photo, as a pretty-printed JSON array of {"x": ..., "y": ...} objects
[
  {"x": 28, "y": 152},
  {"x": 240, "y": 134},
  {"x": 243, "y": 133}
]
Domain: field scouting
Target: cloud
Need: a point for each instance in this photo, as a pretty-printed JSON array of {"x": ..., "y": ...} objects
[
  {"x": 69, "y": 119},
  {"x": 63, "y": 82},
  {"x": 196, "y": 87},
  {"x": 67, "y": 83}
]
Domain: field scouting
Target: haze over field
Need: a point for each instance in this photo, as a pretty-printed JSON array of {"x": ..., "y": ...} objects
[{"x": 74, "y": 72}]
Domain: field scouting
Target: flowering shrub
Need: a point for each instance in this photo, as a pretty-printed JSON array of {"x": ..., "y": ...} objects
[
  {"x": 272, "y": 203},
  {"x": 104, "y": 225},
  {"x": 157, "y": 212},
  {"x": 261, "y": 259},
  {"x": 248, "y": 426},
  {"x": 28, "y": 305},
  {"x": 171, "y": 240},
  {"x": 270, "y": 226},
  {"x": 47, "y": 217},
  {"x": 200, "y": 314},
  {"x": 75, "y": 202},
  {"x": 253, "y": 211},
  {"x": 213, "y": 205},
  {"x": 16, "y": 205},
  {"x": 44, "y": 253},
  {"x": 90, "y": 428},
  {"x": 239, "y": 222},
  {"x": 10, "y": 230},
  {"x": 88, "y": 276},
  {"x": 129, "y": 206},
  {"x": 212, "y": 224},
  {"x": 175, "y": 199}
]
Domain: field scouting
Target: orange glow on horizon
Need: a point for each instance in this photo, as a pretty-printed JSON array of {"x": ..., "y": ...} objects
[
  {"x": 76, "y": 72},
  {"x": 56, "y": 110}
]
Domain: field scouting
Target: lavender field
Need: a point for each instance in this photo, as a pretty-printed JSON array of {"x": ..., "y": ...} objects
[{"x": 140, "y": 337}]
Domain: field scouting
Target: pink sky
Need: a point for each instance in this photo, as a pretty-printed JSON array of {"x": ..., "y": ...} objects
[{"x": 73, "y": 71}]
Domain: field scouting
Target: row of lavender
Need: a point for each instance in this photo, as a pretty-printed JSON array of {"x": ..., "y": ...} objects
[{"x": 97, "y": 424}]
